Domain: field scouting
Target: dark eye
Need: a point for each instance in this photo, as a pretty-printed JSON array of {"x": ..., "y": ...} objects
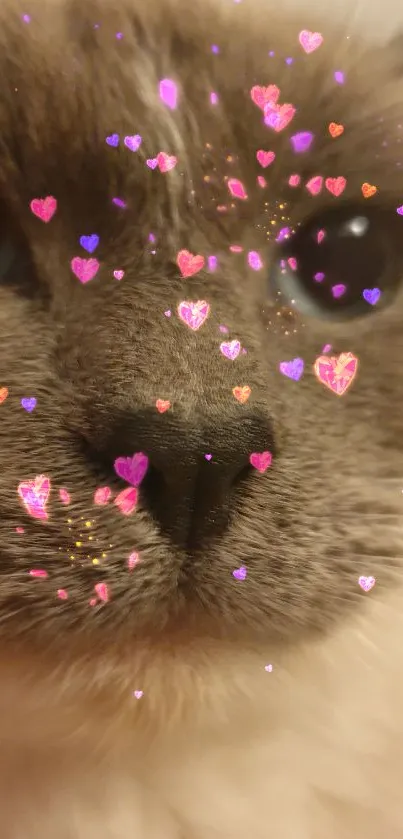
[{"x": 342, "y": 263}]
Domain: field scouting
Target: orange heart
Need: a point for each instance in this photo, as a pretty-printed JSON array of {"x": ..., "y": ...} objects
[
  {"x": 335, "y": 129},
  {"x": 242, "y": 394},
  {"x": 162, "y": 405},
  {"x": 368, "y": 190},
  {"x": 3, "y": 394}
]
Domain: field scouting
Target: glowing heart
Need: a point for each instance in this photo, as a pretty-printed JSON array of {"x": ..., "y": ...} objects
[
  {"x": 28, "y": 403},
  {"x": 133, "y": 142},
  {"x": 315, "y": 184},
  {"x": 240, "y": 573},
  {"x": 310, "y": 41},
  {"x": 3, "y": 394},
  {"x": 44, "y": 208},
  {"x": 278, "y": 116},
  {"x": 338, "y": 372},
  {"x": 137, "y": 694},
  {"x": 371, "y": 295},
  {"x": 84, "y": 269},
  {"x": 113, "y": 140},
  {"x": 237, "y": 189},
  {"x": 118, "y": 274},
  {"x": 64, "y": 496},
  {"x": 193, "y": 314},
  {"x": 162, "y": 405},
  {"x": 230, "y": 349},
  {"x": 132, "y": 469},
  {"x": 133, "y": 560},
  {"x": 89, "y": 243},
  {"x": 102, "y": 591},
  {"x": 335, "y": 129},
  {"x": 34, "y": 495},
  {"x": 265, "y": 158},
  {"x": 294, "y": 180},
  {"x": 262, "y": 96},
  {"x": 127, "y": 500},
  {"x": 336, "y": 185},
  {"x": 189, "y": 263},
  {"x": 242, "y": 394},
  {"x": 260, "y": 460},
  {"x": 166, "y": 162},
  {"x": 366, "y": 583},
  {"x": 102, "y": 495},
  {"x": 152, "y": 162},
  {"x": 292, "y": 369},
  {"x": 368, "y": 190}
]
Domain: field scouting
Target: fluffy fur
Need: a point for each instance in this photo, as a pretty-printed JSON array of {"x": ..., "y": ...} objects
[{"x": 217, "y": 747}]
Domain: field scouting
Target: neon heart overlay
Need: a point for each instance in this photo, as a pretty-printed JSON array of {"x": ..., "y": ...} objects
[
  {"x": 335, "y": 129},
  {"x": 263, "y": 96},
  {"x": 84, "y": 269},
  {"x": 44, "y": 208},
  {"x": 166, "y": 162},
  {"x": 113, "y": 140},
  {"x": 127, "y": 500},
  {"x": 133, "y": 142},
  {"x": 28, "y": 403},
  {"x": 64, "y": 496},
  {"x": 315, "y": 184},
  {"x": 292, "y": 369},
  {"x": 34, "y": 495},
  {"x": 366, "y": 583},
  {"x": 3, "y": 394},
  {"x": 237, "y": 189},
  {"x": 162, "y": 405},
  {"x": 89, "y": 243},
  {"x": 240, "y": 573},
  {"x": 193, "y": 314},
  {"x": 278, "y": 116},
  {"x": 371, "y": 295},
  {"x": 132, "y": 469},
  {"x": 242, "y": 394},
  {"x": 189, "y": 263},
  {"x": 265, "y": 158},
  {"x": 102, "y": 496},
  {"x": 338, "y": 372},
  {"x": 118, "y": 274},
  {"x": 368, "y": 190},
  {"x": 230, "y": 349},
  {"x": 336, "y": 185},
  {"x": 310, "y": 41},
  {"x": 102, "y": 591},
  {"x": 260, "y": 460}
]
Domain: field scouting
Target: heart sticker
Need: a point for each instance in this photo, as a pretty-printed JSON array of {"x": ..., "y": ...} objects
[
  {"x": 166, "y": 162},
  {"x": 193, "y": 314},
  {"x": 260, "y": 460},
  {"x": 102, "y": 496},
  {"x": 127, "y": 500},
  {"x": 336, "y": 185},
  {"x": 132, "y": 469},
  {"x": 230, "y": 349},
  {"x": 366, "y": 583},
  {"x": 89, "y": 243},
  {"x": 310, "y": 41},
  {"x": 44, "y": 208},
  {"x": 84, "y": 269},
  {"x": 338, "y": 372},
  {"x": 292, "y": 369},
  {"x": 162, "y": 405},
  {"x": 188, "y": 263},
  {"x": 34, "y": 495},
  {"x": 265, "y": 158},
  {"x": 263, "y": 96},
  {"x": 242, "y": 394}
]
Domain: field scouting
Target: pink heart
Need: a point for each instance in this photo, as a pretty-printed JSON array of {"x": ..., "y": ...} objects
[
  {"x": 310, "y": 41},
  {"x": 366, "y": 583},
  {"x": 265, "y": 157},
  {"x": 84, "y": 269},
  {"x": 127, "y": 500},
  {"x": 138, "y": 694},
  {"x": 34, "y": 495},
  {"x": 102, "y": 495},
  {"x": 188, "y": 263},
  {"x": 237, "y": 189},
  {"x": 133, "y": 142},
  {"x": 294, "y": 180},
  {"x": 278, "y": 116},
  {"x": 335, "y": 185},
  {"x": 193, "y": 314},
  {"x": 152, "y": 163},
  {"x": 133, "y": 560},
  {"x": 166, "y": 162},
  {"x": 261, "y": 96},
  {"x": 44, "y": 208},
  {"x": 260, "y": 460},
  {"x": 102, "y": 591},
  {"x": 338, "y": 372},
  {"x": 64, "y": 496},
  {"x": 315, "y": 184},
  {"x": 118, "y": 275},
  {"x": 132, "y": 469},
  {"x": 230, "y": 349}
]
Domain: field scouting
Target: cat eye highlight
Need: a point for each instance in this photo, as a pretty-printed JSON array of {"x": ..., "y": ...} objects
[{"x": 341, "y": 264}]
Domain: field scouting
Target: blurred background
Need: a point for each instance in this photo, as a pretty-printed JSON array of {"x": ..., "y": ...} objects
[{"x": 382, "y": 17}]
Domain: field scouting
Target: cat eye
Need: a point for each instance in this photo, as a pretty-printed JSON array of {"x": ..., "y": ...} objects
[{"x": 341, "y": 264}]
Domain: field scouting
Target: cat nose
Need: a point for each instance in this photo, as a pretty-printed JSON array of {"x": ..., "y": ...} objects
[{"x": 196, "y": 473}]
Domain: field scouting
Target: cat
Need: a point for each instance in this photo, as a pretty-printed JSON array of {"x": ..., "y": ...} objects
[{"x": 201, "y": 391}]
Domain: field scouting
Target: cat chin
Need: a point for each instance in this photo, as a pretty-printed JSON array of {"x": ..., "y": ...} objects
[{"x": 310, "y": 748}]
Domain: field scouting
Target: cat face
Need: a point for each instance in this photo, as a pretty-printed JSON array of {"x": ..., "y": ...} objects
[{"x": 191, "y": 271}]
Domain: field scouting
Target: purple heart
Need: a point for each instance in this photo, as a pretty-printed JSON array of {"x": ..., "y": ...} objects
[
  {"x": 230, "y": 349},
  {"x": 133, "y": 143},
  {"x": 89, "y": 243},
  {"x": 293, "y": 369},
  {"x": 338, "y": 290},
  {"x": 132, "y": 469},
  {"x": 119, "y": 203},
  {"x": 113, "y": 140},
  {"x": 371, "y": 295},
  {"x": 302, "y": 141},
  {"x": 29, "y": 403},
  {"x": 400, "y": 210},
  {"x": 208, "y": 456},
  {"x": 240, "y": 573},
  {"x": 152, "y": 162}
]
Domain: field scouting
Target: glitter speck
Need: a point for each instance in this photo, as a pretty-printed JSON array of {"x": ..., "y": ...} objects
[
  {"x": 215, "y": 49},
  {"x": 26, "y": 19},
  {"x": 339, "y": 77}
]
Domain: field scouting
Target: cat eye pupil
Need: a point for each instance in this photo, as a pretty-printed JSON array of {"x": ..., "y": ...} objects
[{"x": 339, "y": 265}]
